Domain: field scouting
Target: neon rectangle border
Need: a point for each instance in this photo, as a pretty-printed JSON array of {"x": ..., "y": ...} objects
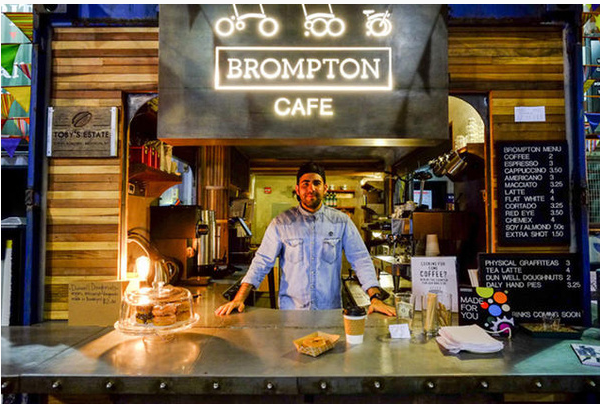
[{"x": 311, "y": 88}]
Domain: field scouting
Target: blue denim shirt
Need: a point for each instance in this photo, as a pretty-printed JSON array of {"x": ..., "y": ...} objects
[{"x": 309, "y": 247}]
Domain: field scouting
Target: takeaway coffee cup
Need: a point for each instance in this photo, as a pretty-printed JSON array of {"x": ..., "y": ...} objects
[{"x": 354, "y": 324}]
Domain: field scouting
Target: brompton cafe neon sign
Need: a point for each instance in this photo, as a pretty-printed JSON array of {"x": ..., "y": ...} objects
[{"x": 319, "y": 71}]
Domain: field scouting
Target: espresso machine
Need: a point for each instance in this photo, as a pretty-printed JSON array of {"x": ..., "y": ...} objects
[
  {"x": 187, "y": 233},
  {"x": 206, "y": 246}
]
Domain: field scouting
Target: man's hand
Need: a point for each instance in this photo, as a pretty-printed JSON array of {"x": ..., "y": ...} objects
[
  {"x": 377, "y": 305},
  {"x": 237, "y": 302},
  {"x": 380, "y": 307},
  {"x": 227, "y": 308}
]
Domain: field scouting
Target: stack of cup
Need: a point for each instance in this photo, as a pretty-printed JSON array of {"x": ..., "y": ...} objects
[
  {"x": 354, "y": 324},
  {"x": 432, "y": 246}
]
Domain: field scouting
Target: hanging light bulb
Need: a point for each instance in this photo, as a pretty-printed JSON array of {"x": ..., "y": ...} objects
[{"x": 142, "y": 264}]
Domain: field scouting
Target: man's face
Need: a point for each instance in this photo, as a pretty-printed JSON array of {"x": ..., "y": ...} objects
[{"x": 311, "y": 190}]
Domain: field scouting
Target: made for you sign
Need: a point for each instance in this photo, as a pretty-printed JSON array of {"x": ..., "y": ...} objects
[{"x": 434, "y": 275}]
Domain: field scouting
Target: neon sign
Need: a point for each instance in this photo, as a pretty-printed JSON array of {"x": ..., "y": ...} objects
[
  {"x": 227, "y": 25},
  {"x": 378, "y": 24},
  {"x": 316, "y": 24},
  {"x": 304, "y": 107},
  {"x": 311, "y": 69},
  {"x": 328, "y": 69},
  {"x": 321, "y": 24}
]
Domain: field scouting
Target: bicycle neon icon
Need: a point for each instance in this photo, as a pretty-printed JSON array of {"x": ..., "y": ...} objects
[
  {"x": 227, "y": 25},
  {"x": 321, "y": 24},
  {"x": 378, "y": 24}
]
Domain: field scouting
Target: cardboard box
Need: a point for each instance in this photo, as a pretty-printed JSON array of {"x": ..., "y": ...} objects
[
  {"x": 330, "y": 340},
  {"x": 95, "y": 302}
]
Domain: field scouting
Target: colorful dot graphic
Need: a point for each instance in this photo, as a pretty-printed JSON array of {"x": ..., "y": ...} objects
[
  {"x": 495, "y": 302},
  {"x": 495, "y": 310}
]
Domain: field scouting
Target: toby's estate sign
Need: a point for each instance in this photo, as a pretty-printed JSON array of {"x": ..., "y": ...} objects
[
  {"x": 340, "y": 70},
  {"x": 82, "y": 132}
]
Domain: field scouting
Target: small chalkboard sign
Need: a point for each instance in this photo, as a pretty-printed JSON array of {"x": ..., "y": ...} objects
[
  {"x": 533, "y": 193},
  {"x": 537, "y": 284}
]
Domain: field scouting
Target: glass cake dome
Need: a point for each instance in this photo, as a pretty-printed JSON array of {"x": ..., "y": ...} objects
[{"x": 157, "y": 310}]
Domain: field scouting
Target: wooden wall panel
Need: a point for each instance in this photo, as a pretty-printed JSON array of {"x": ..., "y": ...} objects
[
  {"x": 91, "y": 67},
  {"x": 517, "y": 66}
]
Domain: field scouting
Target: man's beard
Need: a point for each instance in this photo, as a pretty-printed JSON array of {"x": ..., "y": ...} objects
[{"x": 312, "y": 203}]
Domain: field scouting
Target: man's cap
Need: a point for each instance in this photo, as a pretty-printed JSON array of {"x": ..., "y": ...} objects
[{"x": 310, "y": 167}]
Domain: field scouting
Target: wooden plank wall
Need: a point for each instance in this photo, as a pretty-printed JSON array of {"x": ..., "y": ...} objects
[
  {"x": 518, "y": 66},
  {"x": 90, "y": 67}
]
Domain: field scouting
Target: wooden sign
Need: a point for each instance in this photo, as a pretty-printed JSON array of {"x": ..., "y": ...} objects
[
  {"x": 537, "y": 284},
  {"x": 434, "y": 275},
  {"x": 533, "y": 193},
  {"x": 82, "y": 132}
]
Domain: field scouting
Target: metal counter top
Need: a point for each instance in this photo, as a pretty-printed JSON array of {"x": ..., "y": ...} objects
[{"x": 253, "y": 353}]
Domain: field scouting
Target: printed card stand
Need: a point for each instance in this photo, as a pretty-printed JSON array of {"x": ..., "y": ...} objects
[
  {"x": 588, "y": 354},
  {"x": 487, "y": 307}
]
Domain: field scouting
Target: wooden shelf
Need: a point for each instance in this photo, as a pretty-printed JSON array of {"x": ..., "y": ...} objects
[
  {"x": 341, "y": 191},
  {"x": 154, "y": 181}
]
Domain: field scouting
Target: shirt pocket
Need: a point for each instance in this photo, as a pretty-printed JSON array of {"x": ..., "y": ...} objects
[
  {"x": 330, "y": 249},
  {"x": 293, "y": 250}
]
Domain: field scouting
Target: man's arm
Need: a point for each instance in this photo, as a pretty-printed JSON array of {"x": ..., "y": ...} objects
[
  {"x": 237, "y": 302},
  {"x": 263, "y": 261},
  {"x": 360, "y": 259}
]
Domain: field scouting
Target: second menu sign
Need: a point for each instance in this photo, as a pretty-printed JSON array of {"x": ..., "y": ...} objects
[{"x": 533, "y": 193}]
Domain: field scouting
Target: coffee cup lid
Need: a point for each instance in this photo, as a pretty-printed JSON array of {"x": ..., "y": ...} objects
[{"x": 355, "y": 311}]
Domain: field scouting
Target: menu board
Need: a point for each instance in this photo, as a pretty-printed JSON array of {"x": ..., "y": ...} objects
[
  {"x": 533, "y": 193},
  {"x": 537, "y": 284}
]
